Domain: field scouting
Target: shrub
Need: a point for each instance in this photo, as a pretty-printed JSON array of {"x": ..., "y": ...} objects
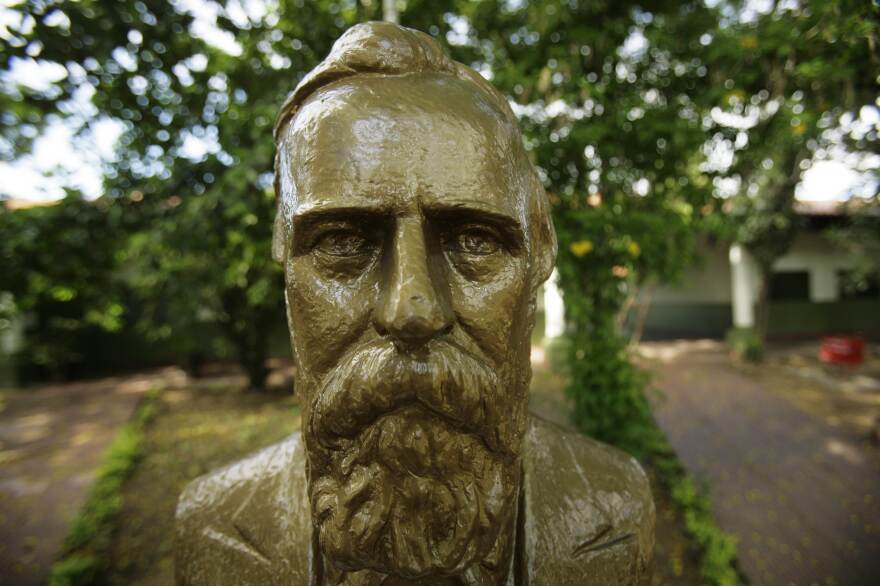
[{"x": 746, "y": 344}]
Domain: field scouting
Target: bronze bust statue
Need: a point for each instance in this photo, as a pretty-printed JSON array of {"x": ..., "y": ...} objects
[{"x": 414, "y": 234}]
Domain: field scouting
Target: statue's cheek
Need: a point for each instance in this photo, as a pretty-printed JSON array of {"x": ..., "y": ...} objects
[
  {"x": 490, "y": 303},
  {"x": 328, "y": 313}
]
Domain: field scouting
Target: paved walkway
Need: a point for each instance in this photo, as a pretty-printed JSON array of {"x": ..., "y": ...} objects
[
  {"x": 801, "y": 496},
  {"x": 52, "y": 440}
]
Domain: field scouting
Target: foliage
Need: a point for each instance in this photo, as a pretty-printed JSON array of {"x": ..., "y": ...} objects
[
  {"x": 792, "y": 72},
  {"x": 173, "y": 264},
  {"x": 606, "y": 390},
  {"x": 628, "y": 111},
  {"x": 595, "y": 275},
  {"x": 746, "y": 344},
  {"x": 90, "y": 536},
  {"x": 860, "y": 238},
  {"x": 602, "y": 121},
  {"x": 202, "y": 248},
  {"x": 717, "y": 549},
  {"x": 612, "y": 98},
  {"x": 59, "y": 266},
  {"x": 609, "y": 118}
]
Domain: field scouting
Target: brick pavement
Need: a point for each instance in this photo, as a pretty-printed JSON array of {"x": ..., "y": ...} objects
[{"x": 801, "y": 496}]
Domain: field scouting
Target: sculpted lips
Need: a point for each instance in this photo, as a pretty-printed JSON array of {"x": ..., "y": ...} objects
[{"x": 378, "y": 379}]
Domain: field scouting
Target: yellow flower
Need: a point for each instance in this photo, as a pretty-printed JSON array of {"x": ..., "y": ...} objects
[
  {"x": 735, "y": 96},
  {"x": 634, "y": 249},
  {"x": 749, "y": 42},
  {"x": 581, "y": 247},
  {"x": 799, "y": 129}
]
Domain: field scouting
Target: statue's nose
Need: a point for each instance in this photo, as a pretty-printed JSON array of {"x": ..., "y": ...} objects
[{"x": 412, "y": 308}]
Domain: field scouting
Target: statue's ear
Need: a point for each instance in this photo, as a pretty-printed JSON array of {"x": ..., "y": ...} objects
[
  {"x": 544, "y": 235},
  {"x": 545, "y": 254},
  {"x": 279, "y": 227},
  {"x": 279, "y": 237}
]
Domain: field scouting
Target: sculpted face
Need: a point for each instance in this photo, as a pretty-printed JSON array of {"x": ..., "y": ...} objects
[{"x": 410, "y": 289}]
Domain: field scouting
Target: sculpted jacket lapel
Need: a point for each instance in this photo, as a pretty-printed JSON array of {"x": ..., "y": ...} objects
[
  {"x": 274, "y": 520},
  {"x": 257, "y": 532},
  {"x": 580, "y": 527}
]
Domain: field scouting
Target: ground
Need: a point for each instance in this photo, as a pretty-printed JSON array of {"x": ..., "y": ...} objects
[
  {"x": 785, "y": 448},
  {"x": 203, "y": 424},
  {"x": 52, "y": 441},
  {"x": 794, "y": 474},
  {"x": 843, "y": 396}
]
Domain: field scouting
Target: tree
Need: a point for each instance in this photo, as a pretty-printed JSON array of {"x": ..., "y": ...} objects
[
  {"x": 609, "y": 115},
  {"x": 607, "y": 112},
  {"x": 860, "y": 238},
  {"x": 619, "y": 118},
  {"x": 202, "y": 247},
  {"x": 791, "y": 73},
  {"x": 196, "y": 150},
  {"x": 65, "y": 285}
]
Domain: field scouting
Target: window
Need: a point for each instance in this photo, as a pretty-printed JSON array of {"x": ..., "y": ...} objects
[{"x": 790, "y": 286}]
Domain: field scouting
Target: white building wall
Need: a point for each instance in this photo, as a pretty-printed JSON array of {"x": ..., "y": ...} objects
[
  {"x": 817, "y": 256},
  {"x": 729, "y": 276},
  {"x": 707, "y": 281},
  {"x": 721, "y": 272},
  {"x": 554, "y": 308}
]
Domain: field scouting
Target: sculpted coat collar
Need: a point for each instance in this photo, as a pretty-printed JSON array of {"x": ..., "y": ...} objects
[{"x": 588, "y": 519}]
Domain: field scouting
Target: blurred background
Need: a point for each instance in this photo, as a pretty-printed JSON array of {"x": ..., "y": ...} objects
[{"x": 713, "y": 171}]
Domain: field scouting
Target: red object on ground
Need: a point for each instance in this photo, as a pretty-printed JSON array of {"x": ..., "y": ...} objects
[{"x": 842, "y": 349}]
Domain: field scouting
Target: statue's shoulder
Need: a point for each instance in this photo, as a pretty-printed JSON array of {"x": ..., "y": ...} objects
[
  {"x": 588, "y": 510},
  {"x": 247, "y": 522}
]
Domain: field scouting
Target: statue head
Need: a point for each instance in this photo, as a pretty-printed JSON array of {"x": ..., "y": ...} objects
[{"x": 414, "y": 233}]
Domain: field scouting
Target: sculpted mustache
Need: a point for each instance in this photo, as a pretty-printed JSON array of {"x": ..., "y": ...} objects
[{"x": 378, "y": 379}]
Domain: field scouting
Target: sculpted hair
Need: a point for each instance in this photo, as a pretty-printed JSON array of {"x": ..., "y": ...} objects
[{"x": 388, "y": 49}]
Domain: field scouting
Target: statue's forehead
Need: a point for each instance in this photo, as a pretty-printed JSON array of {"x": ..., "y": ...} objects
[
  {"x": 433, "y": 94},
  {"x": 429, "y": 134}
]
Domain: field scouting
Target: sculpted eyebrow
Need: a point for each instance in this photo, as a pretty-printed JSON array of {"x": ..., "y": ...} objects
[
  {"x": 305, "y": 223},
  {"x": 510, "y": 229},
  {"x": 314, "y": 217}
]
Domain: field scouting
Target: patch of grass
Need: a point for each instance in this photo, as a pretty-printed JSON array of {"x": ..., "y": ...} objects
[
  {"x": 716, "y": 549},
  {"x": 85, "y": 548}
]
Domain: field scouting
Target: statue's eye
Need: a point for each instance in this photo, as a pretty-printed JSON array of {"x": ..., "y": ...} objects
[
  {"x": 343, "y": 243},
  {"x": 476, "y": 240}
]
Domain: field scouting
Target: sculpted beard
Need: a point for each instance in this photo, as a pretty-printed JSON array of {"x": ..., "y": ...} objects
[{"x": 412, "y": 471}]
